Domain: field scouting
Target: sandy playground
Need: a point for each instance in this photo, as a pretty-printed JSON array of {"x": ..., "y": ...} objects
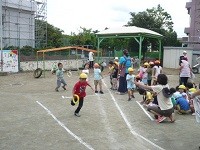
[{"x": 34, "y": 116}]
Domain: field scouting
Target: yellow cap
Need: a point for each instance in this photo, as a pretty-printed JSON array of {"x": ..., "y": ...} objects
[
  {"x": 182, "y": 87},
  {"x": 192, "y": 90},
  {"x": 130, "y": 69},
  {"x": 116, "y": 63},
  {"x": 83, "y": 75},
  {"x": 146, "y": 64}
]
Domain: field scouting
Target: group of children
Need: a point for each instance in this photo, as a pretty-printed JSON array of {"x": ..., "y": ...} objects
[
  {"x": 147, "y": 75},
  {"x": 146, "y": 72},
  {"x": 80, "y": 86},
  {"x": 181, "y": 98}
]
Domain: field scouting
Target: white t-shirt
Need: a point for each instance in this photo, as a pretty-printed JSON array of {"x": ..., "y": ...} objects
[
  {"x": 163, "y": 102},
  {"x": 144, "y": 73},
  {"x": 86, "y": 71},
  {"x": 158, "y": 70},
  {"x": 91, "y": 56}
]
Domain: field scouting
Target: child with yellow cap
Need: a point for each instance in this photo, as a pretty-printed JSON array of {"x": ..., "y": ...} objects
[
  {"x": 79, "y": 89},
  {"x": 130, "y": 78}
]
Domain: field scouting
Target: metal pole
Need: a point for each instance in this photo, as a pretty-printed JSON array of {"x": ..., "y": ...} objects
[
  {"x": 19, "y": 47},
  {"x": 43, "y": 64},
  {"x": 37, "y": 59},
  {"x": 98, "y": 44},
  {"x": 159, "y": 49},
  {"x": 1, "y": 31},
  {"x": 140, "y": 49}
]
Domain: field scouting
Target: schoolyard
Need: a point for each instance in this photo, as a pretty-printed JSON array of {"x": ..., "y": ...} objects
[{"x": 34, "y": 116}]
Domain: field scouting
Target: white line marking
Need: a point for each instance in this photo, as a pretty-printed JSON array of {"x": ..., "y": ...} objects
[
  {"x": 62, "y": 125},
  {"x": 71, "y": 97},
  {"x": 144, "y": 110},
  {"x": 106, "y": 123},
  {"x": 127, "y": 122}
]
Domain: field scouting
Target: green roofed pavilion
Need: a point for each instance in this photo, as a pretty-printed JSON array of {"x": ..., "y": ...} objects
[{"x": 129, "y": 32}]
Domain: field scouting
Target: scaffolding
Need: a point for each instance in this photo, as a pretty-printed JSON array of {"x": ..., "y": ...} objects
[
  {"x": 18, "y": 23},
  {"x": 41, "y": 24},
  {"x": 24, "y": 22}
]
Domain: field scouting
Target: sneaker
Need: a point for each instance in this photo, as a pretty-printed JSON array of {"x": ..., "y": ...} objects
[
  {"x": 193, "y": 114},
  {"x": 56, "y": 90},
  {"x": 129, "y": 99},
  {"x": 72, "y": 103},
  {"x": 77, "y": 114},
  {"x": 179, "y": 113},
  {"x": 161, "y": 119},
  {"x": 132, "y": 96},
  {"x": 96, "y": 91},
  {"x": 64, "y": 87},
  {"x": 101, "y": 92},
  {"x": 172, "y": 117}
]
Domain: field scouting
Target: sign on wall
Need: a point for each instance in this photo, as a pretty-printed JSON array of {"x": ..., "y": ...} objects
[{"x": 10, "y": 60}]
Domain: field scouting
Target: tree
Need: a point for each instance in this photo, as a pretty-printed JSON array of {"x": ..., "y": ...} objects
[
  {"x": 54, "y": 35},
  {"x": 158, "y": 20},
  {"x": 84, "y": 37}
]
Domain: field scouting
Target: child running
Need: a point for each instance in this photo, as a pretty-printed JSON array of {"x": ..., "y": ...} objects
[
  {"x": 79, "y": 89},
  {"x": 60, "y": 78},
  {"x": 97, "y": 78},
  {"x": 130, "y": 78}
]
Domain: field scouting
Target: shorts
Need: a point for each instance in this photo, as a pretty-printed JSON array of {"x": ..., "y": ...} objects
[
  {"x": 96, "y": 82},
  {"x": 131, "y": 89},
  {"x": 165, "y": 113},
  {"x": 61, "y": 81}
]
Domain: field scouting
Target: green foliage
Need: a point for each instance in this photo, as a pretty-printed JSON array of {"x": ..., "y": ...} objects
[
  {"x": 27, "y": 50},
  {"x": 158, "y": 20},
  {"x": 54, "y": 36},
  {"x": 11, "y": 48},
  {"x": 84, "y": 37}
]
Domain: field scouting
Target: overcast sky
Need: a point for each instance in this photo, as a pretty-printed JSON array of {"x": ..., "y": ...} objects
[{"x": 70, "y": 15}]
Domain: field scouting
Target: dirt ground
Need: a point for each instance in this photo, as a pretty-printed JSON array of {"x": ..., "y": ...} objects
[{"x": 34, "y": 116}]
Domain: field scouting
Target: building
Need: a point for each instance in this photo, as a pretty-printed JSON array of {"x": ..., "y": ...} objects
[
  {"x": 193, "y": 32},
  {"x": 19, "y": 22}
]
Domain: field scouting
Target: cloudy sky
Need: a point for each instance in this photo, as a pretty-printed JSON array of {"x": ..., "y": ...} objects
[{"x": 70, "y": 15}]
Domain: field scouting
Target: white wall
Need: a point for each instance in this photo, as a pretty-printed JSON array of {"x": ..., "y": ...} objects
[
  {"x": 172, "y": 54},
  {"x": 67, "y": 64}
]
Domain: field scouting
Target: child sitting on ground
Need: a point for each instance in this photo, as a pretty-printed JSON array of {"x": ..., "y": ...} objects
[
  {"x": 182, "y": 89},
  {"x": 190, "y": 87},
  {"x": 182, "y": 105},
  {"x": 97, "y": 78},
  {"x": 130, "y": 78},
  {"x": 60, "y": 78},
  {"x": 147, "y": 96},
  {"x": 114, "y": 76}
]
